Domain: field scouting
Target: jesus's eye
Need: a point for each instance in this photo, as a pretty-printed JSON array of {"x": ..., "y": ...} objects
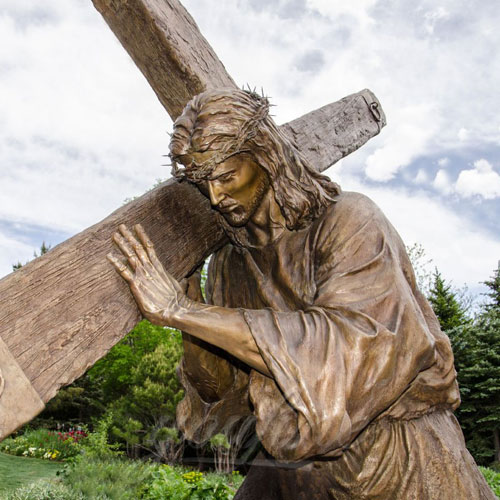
[{"x": 225, "y": 177}]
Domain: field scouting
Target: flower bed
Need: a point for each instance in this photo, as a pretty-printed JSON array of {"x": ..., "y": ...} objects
[{"x": 42, "y": 443}]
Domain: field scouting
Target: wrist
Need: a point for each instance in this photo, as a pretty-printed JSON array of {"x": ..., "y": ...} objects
[
  {"x": 171, "y": 315},
  {"x": 178, "y": 316}
]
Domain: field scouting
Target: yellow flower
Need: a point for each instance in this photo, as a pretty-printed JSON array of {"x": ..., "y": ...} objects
[{"x": 192, "y": 477}]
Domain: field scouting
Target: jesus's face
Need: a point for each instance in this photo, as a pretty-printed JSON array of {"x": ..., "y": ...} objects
[{"x": 236, "y": 188}]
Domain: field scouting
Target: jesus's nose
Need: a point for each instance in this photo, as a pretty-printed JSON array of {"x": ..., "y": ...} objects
[{"x": 216, "y": 193}]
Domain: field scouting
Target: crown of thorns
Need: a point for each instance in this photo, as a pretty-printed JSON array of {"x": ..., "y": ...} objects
[{"x": 199, "y": 171}]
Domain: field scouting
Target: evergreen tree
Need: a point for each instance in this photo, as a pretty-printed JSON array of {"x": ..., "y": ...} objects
[
  {"x": 446, "y": 305},
  {"x": 73, "y": 405},
  {"x": 114, "y": 373},
  {"x": 494, "y": 294},
  {"x": 476, "y": 348},
  {"x": 145, "y": 416}
]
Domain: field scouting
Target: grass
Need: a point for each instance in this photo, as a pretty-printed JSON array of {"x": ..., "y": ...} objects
[{"x": 20, "y": 471}]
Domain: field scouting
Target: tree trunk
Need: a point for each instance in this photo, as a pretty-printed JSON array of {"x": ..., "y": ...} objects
[{"x": 496, "y": 437}]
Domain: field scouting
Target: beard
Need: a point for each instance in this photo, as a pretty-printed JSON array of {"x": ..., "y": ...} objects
[
  {"x": 242, "y": 214},
  {"x": 237, "y": 233}
]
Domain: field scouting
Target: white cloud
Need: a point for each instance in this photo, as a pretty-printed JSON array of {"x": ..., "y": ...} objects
[
  {"x": 81, "y": 129},
  {"x": 463, "y": 134},
  {"x": 13, "y": 251},
  {"x": 443, "y": 162},
  {"x": 358, "y": 10},
  {"x": 422, "y": 177},
  {"x": 403, "y": 143},
  {"x": 442, "y": 182},
  {"x": 432, "y": 17},
  {"x": 482, "y": 181}
]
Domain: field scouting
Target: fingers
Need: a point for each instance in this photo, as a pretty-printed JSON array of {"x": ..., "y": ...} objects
[
  {"x": 148, "y": 245},
  {"x": 134, "y": 244},
  {"x": 122, "y": 244},
  {"x": 143, "y": 237},
  {"x": 121, "y": 267},
  {"x": 142, "y": 252}
]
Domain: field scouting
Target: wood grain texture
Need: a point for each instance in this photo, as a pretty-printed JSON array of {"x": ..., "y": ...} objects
[
  {"x": 330, "y": 133},
  {"x": 19, "y": 402},
  {"x": 65, "y": 310},
  {"x": 167, "y": 46}
]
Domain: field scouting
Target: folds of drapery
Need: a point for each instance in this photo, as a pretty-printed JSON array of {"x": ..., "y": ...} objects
[{"x": 366, "y": 345}]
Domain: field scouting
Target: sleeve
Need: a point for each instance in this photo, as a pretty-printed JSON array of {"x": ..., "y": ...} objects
[
  {"x": 215, "y": 385},
  {"x": 341, "y": 362}
]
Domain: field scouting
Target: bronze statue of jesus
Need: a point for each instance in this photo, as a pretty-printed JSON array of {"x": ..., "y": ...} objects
[{"x": 313, "y": 327}]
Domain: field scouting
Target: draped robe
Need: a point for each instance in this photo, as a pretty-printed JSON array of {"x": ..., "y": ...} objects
[{"x": 360, "y": 402}]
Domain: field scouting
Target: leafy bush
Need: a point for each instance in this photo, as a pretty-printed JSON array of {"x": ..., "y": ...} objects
[
  {"x": 42, "y": 443},
  {"x": 96, "y": 445},
  {"x": 91, "y": 477},
  {"x": 493, "y": 479},
  {"x": 177, "y": 483},
  {"x": 144, "y": 418},
  {"x": 114, "y": 373},
  {"x": 44, "y": 490},
  {"x": 106, "y": 478}
]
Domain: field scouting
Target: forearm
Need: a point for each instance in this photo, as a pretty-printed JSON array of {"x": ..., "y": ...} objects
[
  {"x": 162, "y": 300},
  {"x": 222, "y": 327}
]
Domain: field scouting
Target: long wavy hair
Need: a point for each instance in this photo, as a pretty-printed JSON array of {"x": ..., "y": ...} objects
[{"x": 226, "y": 122}]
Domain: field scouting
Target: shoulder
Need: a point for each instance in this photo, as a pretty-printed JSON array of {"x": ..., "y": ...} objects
[
  {"x": 350, "y": 203},
  {"x": 348, "y": 214},
  {"x": 353, "y": 228}
]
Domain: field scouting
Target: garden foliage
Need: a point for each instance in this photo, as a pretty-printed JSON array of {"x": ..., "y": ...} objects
[
  {"x": 177, "y": 483},
  {"x": 144, "y": 417},
  {"x": 41, "y": 443},
  {"x": 476, "y": 348}
]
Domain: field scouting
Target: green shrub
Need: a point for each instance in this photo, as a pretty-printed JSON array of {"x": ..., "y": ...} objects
[
  {"x": 144, "y": 418},
  {"x": 44, "y": 490},
  {"x": 493, "y": 479},
  {"x": 96, "y": 445},
  {"x": 106, "y": 478},
  {"x": 177, "y": 483}
]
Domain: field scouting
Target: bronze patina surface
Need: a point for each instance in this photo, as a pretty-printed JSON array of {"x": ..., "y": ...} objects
[{"x": 314, "y": 326}]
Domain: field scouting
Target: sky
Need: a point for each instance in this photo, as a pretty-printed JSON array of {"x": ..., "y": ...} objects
[{"x": 81, "y": 130}]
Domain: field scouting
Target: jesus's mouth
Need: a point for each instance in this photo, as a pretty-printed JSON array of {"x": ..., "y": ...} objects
[{"x": 224, "y": 209}]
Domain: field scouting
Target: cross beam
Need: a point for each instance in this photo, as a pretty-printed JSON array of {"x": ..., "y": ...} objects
[{"x": 65, "y": 310}]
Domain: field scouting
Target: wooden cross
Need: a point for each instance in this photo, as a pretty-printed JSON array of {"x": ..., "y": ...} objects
[{"x": 64, "y": 311}]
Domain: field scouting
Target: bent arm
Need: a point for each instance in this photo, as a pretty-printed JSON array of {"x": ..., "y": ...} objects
[
  {"x": 163, "y": 302},
  {"x": 220, "y": 326}
]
